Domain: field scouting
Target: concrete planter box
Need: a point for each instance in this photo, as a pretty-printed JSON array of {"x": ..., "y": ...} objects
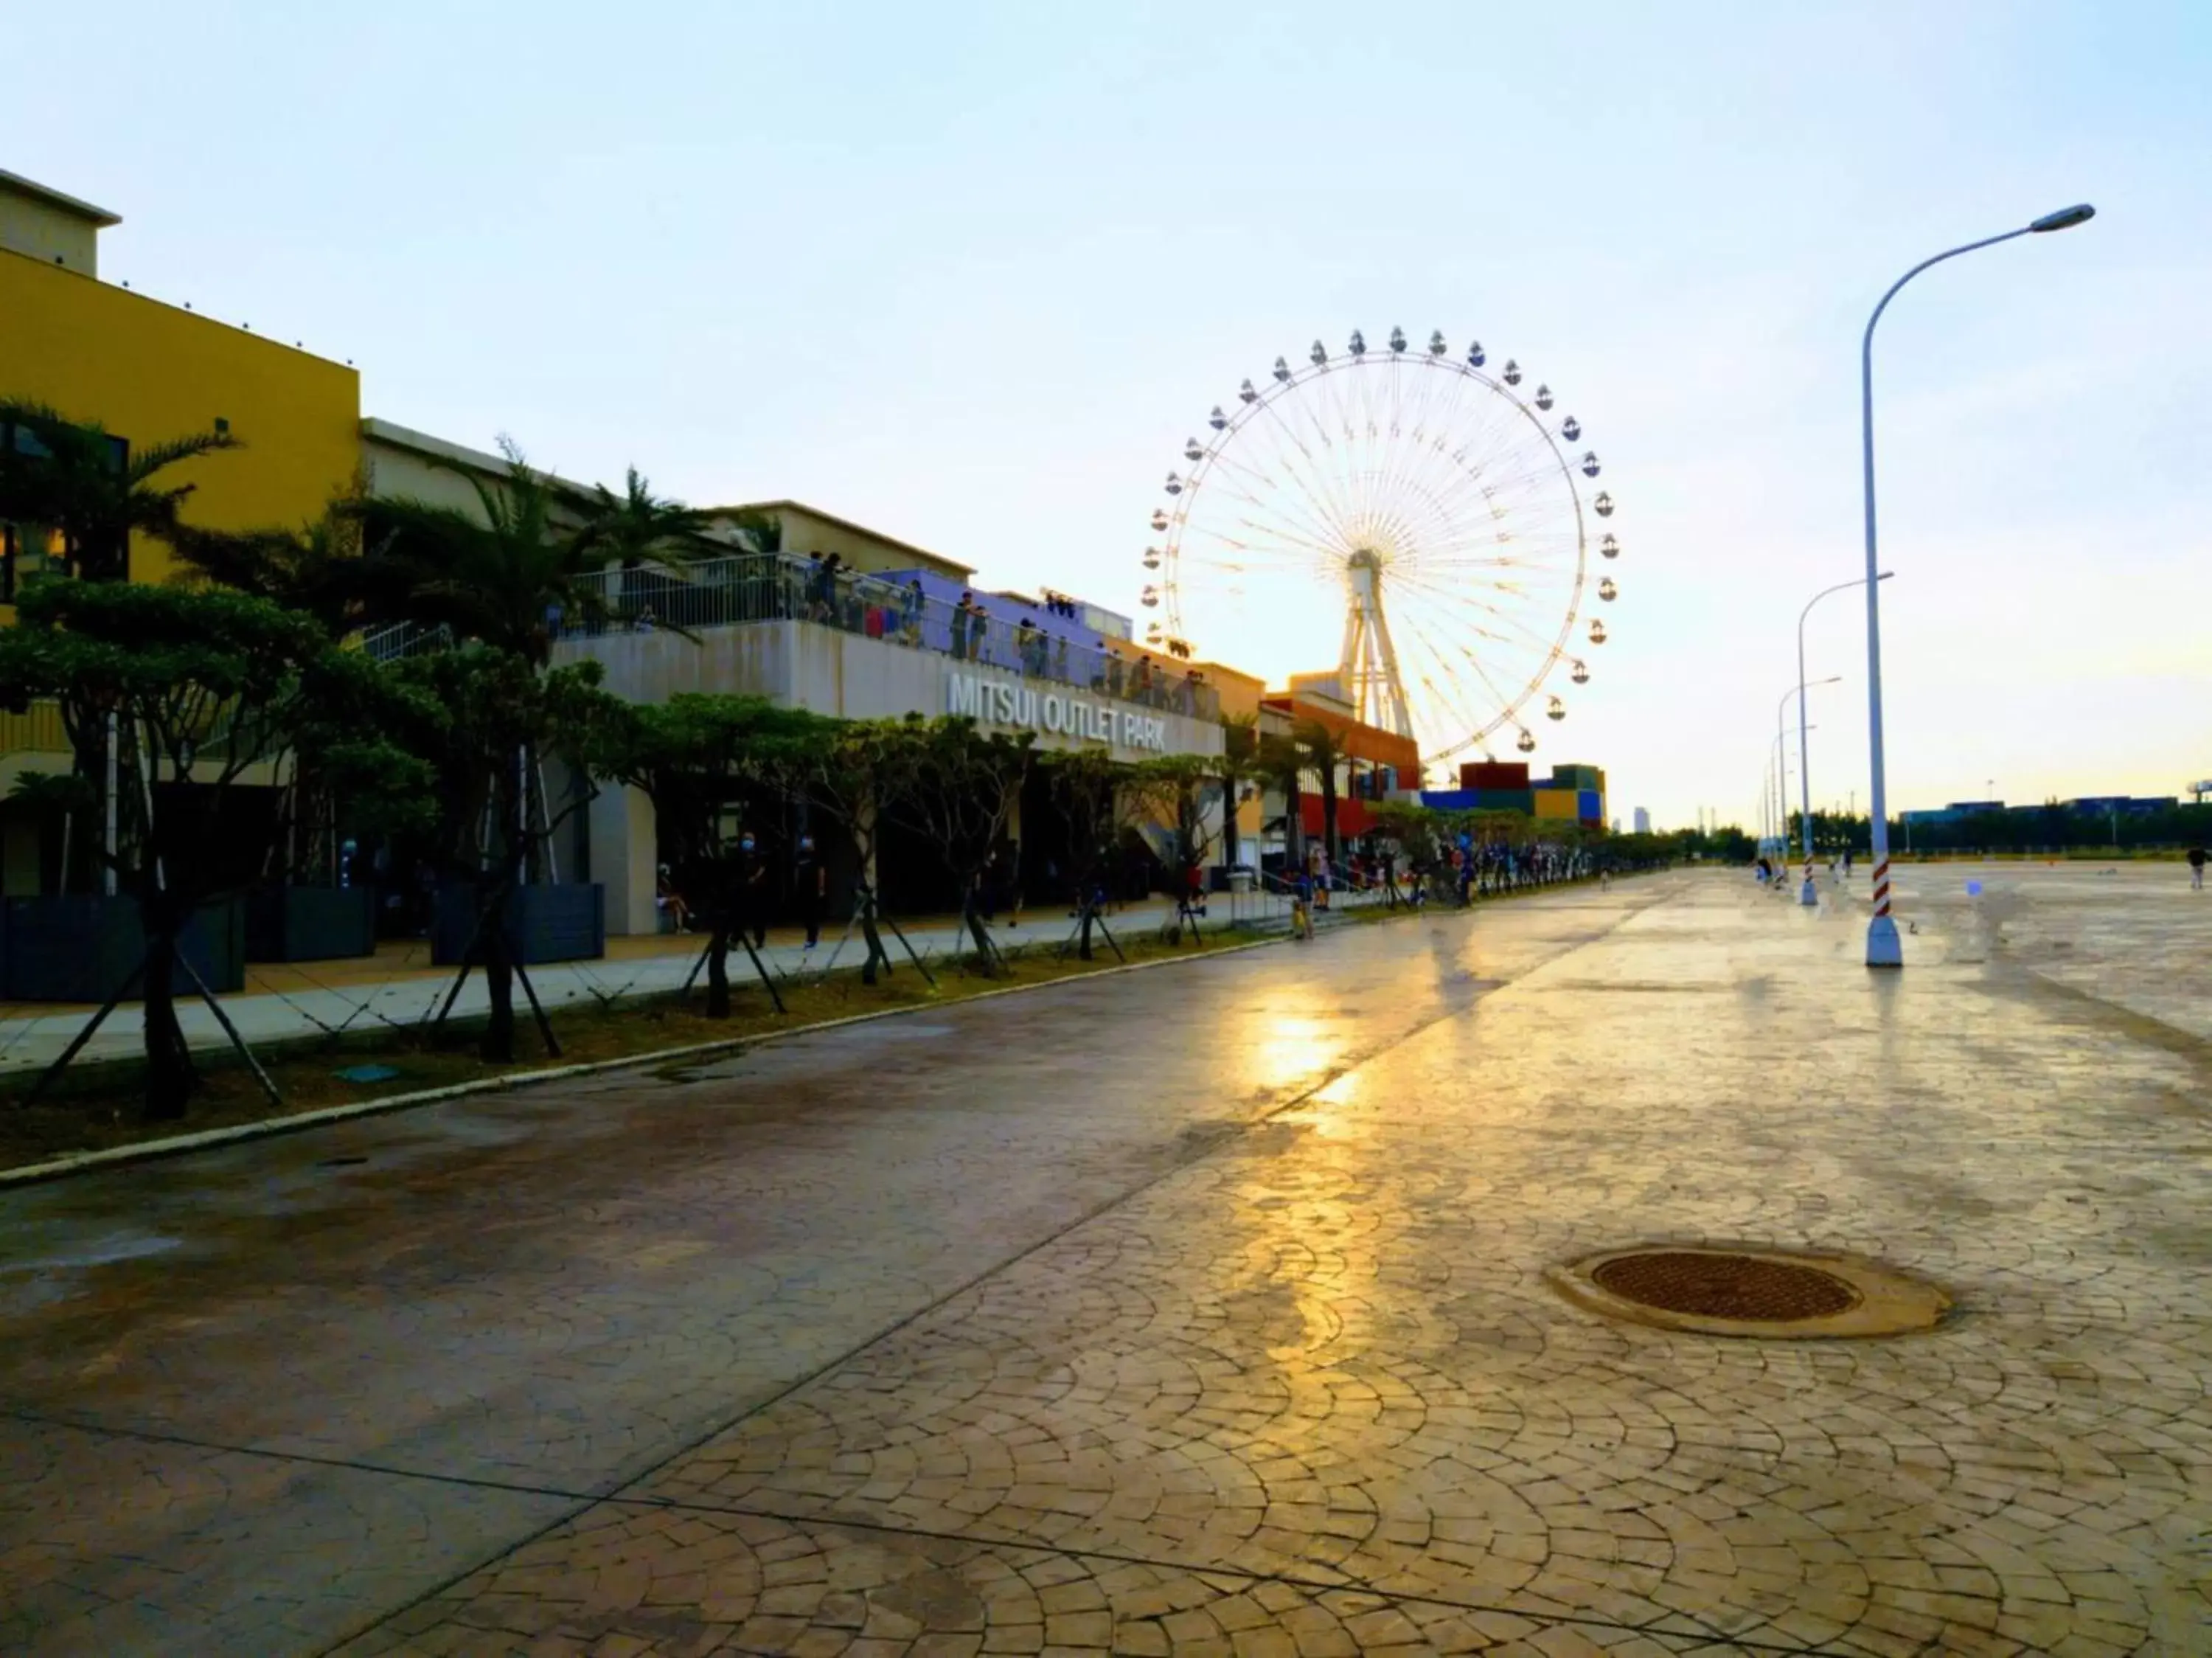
[
  {"x": 310, "y": 923},
  {"x": 80, "y": 946},
  {"x": 566, "y": 923}
]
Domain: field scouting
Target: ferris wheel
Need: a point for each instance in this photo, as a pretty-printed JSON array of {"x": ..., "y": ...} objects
[{"x": 1413, "y": 516}]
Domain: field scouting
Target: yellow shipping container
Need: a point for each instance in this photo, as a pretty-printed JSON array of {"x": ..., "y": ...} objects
[{"x": 1556, "y": 803}]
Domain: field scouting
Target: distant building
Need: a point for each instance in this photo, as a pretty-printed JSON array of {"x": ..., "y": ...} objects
[
  {"x": 2087, "y": 806},
  {"x": 1643, "y": 821}
]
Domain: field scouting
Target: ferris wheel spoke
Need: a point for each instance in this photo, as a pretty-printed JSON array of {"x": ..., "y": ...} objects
[
  {"x": 1351, "y": 416},
  {"x": 1271, "y": 533},
  {"x": 1495, "y": 489},
  {"x": 1319, "y": 521},
  {"x": 1507, "y": 701},
  {"x": 1461, "y": 506},
  {"x": 1404, "y": 464},
  {"x": 1322, "y": 468},
  {"x": 1549, "y": 581},
  {"x": 1474, "y": 598},
  {"x": 1505, "y": 626},
  {"x": 1468, "y": 710}
]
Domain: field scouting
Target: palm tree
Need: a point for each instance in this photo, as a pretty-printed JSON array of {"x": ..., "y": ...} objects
[
  {"x": 1278, "y": 761},
  {"x": 1322, "y": 752},
  {"x": 317, "y": 570},
  {"x": 94, "y": 489},
  {"x": 638, "y": 528},
  {"x": 509, "y": 578},
  {"x": 1240, "y": 763}
]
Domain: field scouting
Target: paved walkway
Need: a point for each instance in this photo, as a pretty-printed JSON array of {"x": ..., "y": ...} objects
[
  {"x": 1194, "y": 1311},
  {"x": 398, "y": 986}
]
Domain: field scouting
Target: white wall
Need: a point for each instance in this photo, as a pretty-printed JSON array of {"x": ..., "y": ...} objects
[
  {"x": 805, "y": 665},
  {"x": 846, "y": 675}
]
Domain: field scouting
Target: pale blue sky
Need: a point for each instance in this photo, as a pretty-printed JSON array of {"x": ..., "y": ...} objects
[{"x": 972, "y": 274}]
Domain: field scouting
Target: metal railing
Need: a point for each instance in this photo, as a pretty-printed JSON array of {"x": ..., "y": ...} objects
[{"x": 995, "y": 633}]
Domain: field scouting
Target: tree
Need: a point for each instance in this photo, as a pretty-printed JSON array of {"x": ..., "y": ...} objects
[
  {"x": 92, "y": 490},
  {"x": 701, "y": 757},
  {"x": 1087, "y": 785},
  {"x": 1280, "y": 762},
  {"x": 503, "y": 716},
  {"x": 509, "y": 579},
  {"x": 1240, "y": 763},
  {"x": 1322, "y": 752},
  {"x": 1418, "y": 830},
  {"x": 62, "y": 800},
  {"x": 318, "y": 570},
  {"x": 194, "y": 691},
  {"x": 637, "y": 525},
  {"x": 859, "y": 771},
  {"x": 636, "y": 528},
  {"x": 1173, "y": 788},
  {"x": 958, "y": 791}
]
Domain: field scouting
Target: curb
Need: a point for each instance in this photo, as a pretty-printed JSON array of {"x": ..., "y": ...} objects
[{"x": 177, "y": 1145}]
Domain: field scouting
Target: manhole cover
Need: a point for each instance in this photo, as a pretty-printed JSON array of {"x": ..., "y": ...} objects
[
  {"x": 1726, "y": 1286},
  {"x": 1750, "y": 1291}
]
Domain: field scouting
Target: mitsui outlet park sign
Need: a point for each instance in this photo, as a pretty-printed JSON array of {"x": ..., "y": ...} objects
[{"x": 1006, "y": 702}]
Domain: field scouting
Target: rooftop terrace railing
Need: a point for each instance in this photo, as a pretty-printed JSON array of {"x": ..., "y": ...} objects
[{"x": 992, "y": 633}]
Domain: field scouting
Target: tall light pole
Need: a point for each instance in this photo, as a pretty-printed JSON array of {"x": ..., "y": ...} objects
[
  {"x": 1882, "y": 948},
  {"x": 1782, "y": 774},
  {"x": 1774, "y": 791},
  {"x": 1806, "y": 894}
]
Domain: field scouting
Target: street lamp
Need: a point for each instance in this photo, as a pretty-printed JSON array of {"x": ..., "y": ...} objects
[
  {"x": 1883, "y": 949},
  {"x": 1782, "y": 795},
  {"x": 1806, "y": 894},
  {"x": 1774, "y": 791}
]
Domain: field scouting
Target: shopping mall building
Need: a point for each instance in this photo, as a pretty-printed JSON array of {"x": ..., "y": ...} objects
[{"x": 897, "y": 629}]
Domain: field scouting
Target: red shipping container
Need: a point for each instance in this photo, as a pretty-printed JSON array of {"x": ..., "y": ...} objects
[{"x": 1494, "y": 774}]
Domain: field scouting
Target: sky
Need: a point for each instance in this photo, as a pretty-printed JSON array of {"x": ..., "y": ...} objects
[{"x": 971, "y": 274}]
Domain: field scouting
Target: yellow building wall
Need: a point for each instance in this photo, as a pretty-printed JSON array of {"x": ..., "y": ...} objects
[{"x": 149, "y": 372}]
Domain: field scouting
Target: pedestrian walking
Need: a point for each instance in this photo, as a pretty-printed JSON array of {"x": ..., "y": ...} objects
[
  {"x": 752, "y": 891},
  {"x": 2196, "y": 868},
  {"x": 810, "y": 881},
  {"x": 1302, "y": 893}
]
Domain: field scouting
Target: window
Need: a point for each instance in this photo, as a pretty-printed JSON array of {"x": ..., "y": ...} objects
[{"x": 27, "y": 550}]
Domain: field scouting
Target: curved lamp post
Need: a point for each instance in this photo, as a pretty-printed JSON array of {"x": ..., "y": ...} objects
[
  {"x": 1781, "y": 769},
  {"x": 1806, "y": 894},
  {"x": 1883, "y": 949},
  {"x": 1774, "y": 790}
]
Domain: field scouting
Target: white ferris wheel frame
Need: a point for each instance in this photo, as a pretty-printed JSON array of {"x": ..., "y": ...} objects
[{"x": 1368, "y": 665}]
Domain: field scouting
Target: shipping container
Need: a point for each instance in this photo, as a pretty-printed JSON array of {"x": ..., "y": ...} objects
[
  {"x": 1558, "y": 804},
  {"x": 1523, "y": 801},
  {"x": 1591, "y": 806},
  {"x": 1494, "y": 774}
]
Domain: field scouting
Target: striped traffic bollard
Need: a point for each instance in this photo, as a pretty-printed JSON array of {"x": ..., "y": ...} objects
[{"x": 1882, "y": 947}]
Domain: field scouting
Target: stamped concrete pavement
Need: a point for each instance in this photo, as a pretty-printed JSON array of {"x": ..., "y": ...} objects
[{"x": 1199, "y": 1310}]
